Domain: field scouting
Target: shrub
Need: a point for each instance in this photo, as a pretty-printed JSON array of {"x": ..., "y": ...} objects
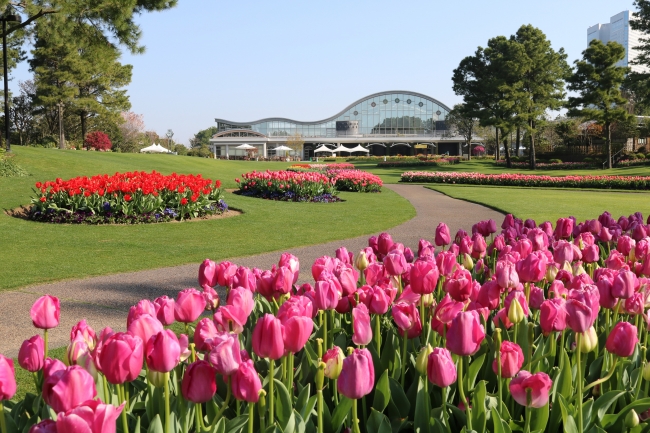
[
  {"x": 555, "y": 161},
  {"x": 98, "y": 141}
]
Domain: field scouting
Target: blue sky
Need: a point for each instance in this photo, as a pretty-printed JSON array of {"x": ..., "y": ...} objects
[{"x": 306, "y": 60}]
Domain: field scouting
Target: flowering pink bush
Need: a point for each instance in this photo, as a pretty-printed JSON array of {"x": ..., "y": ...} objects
[{"x": 515, "y": 179}]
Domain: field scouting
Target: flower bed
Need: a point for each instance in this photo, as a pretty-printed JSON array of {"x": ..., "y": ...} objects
[
  {"x": 512, "y": 179},
  {"x": 532, "y": 328},
  {"x": 355, "y": 180},
  {"x": 286, "y": 185},
  {"x": 419, "y": 163},
  {"x": 550, "y": 165},
  {"x": 134, "y": 197},
  {"x": 324, "y": 167}
]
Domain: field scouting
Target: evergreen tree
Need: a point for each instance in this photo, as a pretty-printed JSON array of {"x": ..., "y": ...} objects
[{"x": 598, "y": 81}]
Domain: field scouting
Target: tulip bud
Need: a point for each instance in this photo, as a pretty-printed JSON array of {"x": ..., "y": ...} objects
[
  {"x": 361, "y": 262},
  {"x": 515, "y": 312},
  {"x": 422, "y": 360},
  {"x": 646, "y": 371},
  {"x": 333, "y": 360},
  {"x": 156, "y": 379},
  {"x": 551, "y": 272},
  {"x": 589, "y": 340},
  {"x": 468, "y": 263},
  {"x": 428, "y": 300},
  {"x": 631, "y": 419},
  {"x": 578, "y": 269}
]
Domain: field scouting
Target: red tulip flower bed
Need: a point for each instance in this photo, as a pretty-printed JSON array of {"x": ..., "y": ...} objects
[
  {"x": 134, "y": 197},
  {"x": 529, "y": 180},
  {"x": 530, "y": 328}
]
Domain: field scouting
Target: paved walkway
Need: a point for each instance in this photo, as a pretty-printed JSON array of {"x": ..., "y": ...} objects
[{"x": 104, "y": 301}]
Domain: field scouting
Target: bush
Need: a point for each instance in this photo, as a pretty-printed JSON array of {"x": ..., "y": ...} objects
[
  {"x": 555, "y": 161},
  {"x": 640, "y": 156},
  {"x": 98, "y": 141}
]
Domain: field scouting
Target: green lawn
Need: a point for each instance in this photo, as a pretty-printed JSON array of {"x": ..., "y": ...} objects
[
  {"x": 392, "y": 175},
  {"x": 550, "y": 204},
  {"x": 33, "y": 252}
]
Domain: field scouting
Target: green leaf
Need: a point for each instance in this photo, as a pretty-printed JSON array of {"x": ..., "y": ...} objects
[
  {"x": 378, "y": 423},
  {"x": 539, "y": 418},
  {"x": 603, "y": 404},
  {"x": 382, "y": 393},
  {"x": 291, "y": 423},
  {"x": 283, "y": 405},
  {"x": 479, "y": 415},
  {"x": 155, "y": 426},
  {"x": 474, "y": 369},
  {"x": 236, "y": 424},
  {"x": 497, "y": 423},
  {"x": 567, "y": 417},
  {"x": 398, "y": 397},
  {"x": 638, "y": 405},
  {"x": 303, "y": 398},
  {"x": 341, "y": 412},
  {"x": 422, "y": 405}
]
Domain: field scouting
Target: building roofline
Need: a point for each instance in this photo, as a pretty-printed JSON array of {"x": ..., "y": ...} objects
[{"x": 284, "y": 119}]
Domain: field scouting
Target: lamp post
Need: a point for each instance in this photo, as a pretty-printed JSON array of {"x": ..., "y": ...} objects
[
  {"x": 8, "y": 18},
  {"x": 169, "y": 134}
]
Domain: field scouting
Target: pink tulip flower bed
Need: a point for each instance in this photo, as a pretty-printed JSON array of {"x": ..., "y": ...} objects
[
  {"x": 533, "y": 328},
  {"x": 529, "y": 180},
  {"x": 355, "y": 180}
]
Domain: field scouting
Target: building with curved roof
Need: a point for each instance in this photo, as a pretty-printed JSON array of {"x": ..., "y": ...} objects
[{"x": 384, "y": 123}]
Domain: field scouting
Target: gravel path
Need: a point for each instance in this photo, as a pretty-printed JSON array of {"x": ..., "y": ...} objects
[{"x": 104, "y": 301}]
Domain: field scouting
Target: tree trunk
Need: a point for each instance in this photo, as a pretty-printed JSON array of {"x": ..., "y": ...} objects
[
  {"x": 83, "y": 126},
  {"x": 608, "y": 128},
  {"x": 518, "y": 140},
  {"x": 506, "y": 150},
  {"x": 496, "y": 150},
  {"x": 533, "y": 162},
  {"x": 469, "y": 150}
]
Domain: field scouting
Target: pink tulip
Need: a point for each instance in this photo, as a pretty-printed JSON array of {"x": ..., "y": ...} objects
[
  {"x": 489, "y": 295},
  {"x": 348, "y": 277},
  {"x": 512, "y": 358},
  {"x": 68, "y": 388},
  {"x": 246, "y": 383},
  {"x": 407, "y": 319},
  {"x": 539, "y": 385},
  {"x": 624, "y": 284},
  {"x": 31, "y": 353},
  {"x": 591, "y": 254},
  {"x": 395, "y": 263},
  {"x": 164, "y": 307},
  {"x": 242, "y": 298},
  {"x": 506, "y": 274},
  {"x": 51, "y": 366},
  {"x": 634, "y": 306},
  {"x": 459, "y": 285},
  {"x": 377, "y": 300},
  {"x": 553, "y": 315},
  {"x": 7, "y": 378},
  {"x": 283, "y": 281},
  {"x": 327, "y": 294},
  {"x": 267, "y": 338},
  {"x": 357, "y": 376},
  {"x": 344, "y": 255},
  {"x": 362, "y": 330},
  {"x": 189, "y": 305},
  {"x": 443, "y": 237},
  {"x": 143, "y": 307},
  {"x": 292, "y": 263},
  {"x": 533, "y": 268},
  {"x": 203, "y": 334},
  {"x": 478, "y": 246},
  {"x": 230, "y": 318},
  {"x": 536, "y": 297},
  {"x": 465, "y": 334},
  {"x": 446, "y": 261},
  {"x": 211, "y": 298},
  {"x": 121, "y": 358},
  {"x": 145, "y": 326},
  {"x": 375, "y": 273},
  {"x": 615, "y": 261},
  {"x": 296, "y": 306},
  {"x": 578, "y": 315},
  {"x": 444, "y": 313},
  {"x": 225, "y": 273},
  {"x": 384, "y": 243},
  {"x": 441, "y": 369},
  {"x": 225, "y": 355},
  {"x": 91, "y": 416},
  {"x": 244, "y": 277},
  {"x": 163, "y": 351},
  {"x": 184, "y": 343},
  {"x": 622, "y": 340},
  {"x": 45, "y": 312},
  {"x": 324, "y": 263},
  {"x": 625, "y": 245},
  {"x": 563, "y": 228},
  {"x": 424, "y": 276},
  {"x": 208, "y": 274},
  {"x": 199, "y": 382},
  {"x": 46, "y": 426},
  {"x": 86, "y": 332},
  {"x": 296, "y": 333},
  {"x": 333, "y": 360}
]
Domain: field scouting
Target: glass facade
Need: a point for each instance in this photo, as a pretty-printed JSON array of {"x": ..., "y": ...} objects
[{"x": 382, "y": 114}]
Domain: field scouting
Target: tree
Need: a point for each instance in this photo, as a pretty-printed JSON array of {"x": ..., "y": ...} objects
[
  {"x": 464, "y": 125},
  {"x": 98, "y": 141},
  {"x": 22, "y": 113},
  {"x": 203, "y": 137},
  {"x": 131, "y": 132},
  {"x": 598, "y": 81},
  {"x": 295, "y": 142}
]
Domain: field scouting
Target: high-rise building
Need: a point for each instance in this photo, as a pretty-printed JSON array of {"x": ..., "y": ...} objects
[{"x": 618, "y": 30}]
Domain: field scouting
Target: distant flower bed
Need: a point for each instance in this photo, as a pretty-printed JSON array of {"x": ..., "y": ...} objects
[
  {"x": 549, "y": 165},
  {"x": 355, "y": 180},
  {"x": 419, "y": 163},
  {"x": 286, "y": 185},
  {"x": 134, "y": 197},
  {"x": 323, "y": 167},
  {"x": 512, "y": 179}
]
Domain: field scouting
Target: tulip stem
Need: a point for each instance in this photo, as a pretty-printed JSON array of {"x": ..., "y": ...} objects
[
  {"x": 323, "y": 320},
  {"x": 579, "y": 380},
  {"x": 355, "y": 418},
  {"x": 168, "y": 424},
  {"x": 271, "y": 392},
  {"x": 463, "y": 399},
  {"x": 319, "y": 401},
  {"x": 561, "y": 352},
  {"x": 120, "y": 395},
  {"x": 599, "y": 381},
  {"x": 45, "y": 339},
  {"x": 640, "y": 379},
  {"x": 335, "y": 391},
  {"x": 404, "y": 344},
  {"x": 290, "y": 373},
  {"x": 445, "y": 415},
  {"x": 197, "y": 418},
  {"x": 225, "y": 403},
  {"x": 251, "y": 420},
  {"x": 529, "y": 400},
  {"x": 330, "y": 340},
  {"x": 3, "y": 422},
  {"x": 377, "y": 335},
  {"x": 499, "y": 378}
]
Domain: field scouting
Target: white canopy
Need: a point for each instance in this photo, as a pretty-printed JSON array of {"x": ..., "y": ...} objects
[
  {"x": 245, "y": 147},
  {"x": 322, "y": 148},
  {"x": 359, "y": 148},
  {"x": 341, "y": 148},
  {"x": 282, "y": 148},
  {"x": 155, "y": 148}
]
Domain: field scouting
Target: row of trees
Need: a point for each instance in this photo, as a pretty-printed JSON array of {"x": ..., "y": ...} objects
[{"x": 513, "y": 83}]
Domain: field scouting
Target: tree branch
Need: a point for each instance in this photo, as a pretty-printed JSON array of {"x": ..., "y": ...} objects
[{"x": 29, "y": 20}]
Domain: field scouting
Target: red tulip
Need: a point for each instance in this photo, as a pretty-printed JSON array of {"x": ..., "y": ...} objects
[
  {"x": 357, "y": 376},
  {"x": 512, "y": 358},
  {"x": 424, "y": 276},
  {"x": 68, "y": 388},
  {"x": 45, "y": 312},
  {"x": 163, "y": 351},
  {"x": 7, "y": 378},
  {"x": 539, "y": 385},
  {"x": 225, "y": 355},
  {"x": 622, "y": 340},
  {"x": 443, "y": 237},
  {"x": 362, "y": 330},
  {"x": 164, "y": 307},
  {"x": 143, "y": 307},
  {"x": 189, "y": 305},
  {"x": 91, "y": 417},
  {"x": 203, "y": 334},
  {"x": 552, "y": 317},
  {"x": 145, "y": 326},
  {"x": 30, "y": 356},
  {"x": 441, "y": 369},
  {"x": 465, "y": 334},
  {"x": 267, "y": 338},
  {"x": 199, "y": 382},
  {"x": 121, "y": 357},
  {"x": 246, "y": 383},
  {"x": 208, "y": 273}
]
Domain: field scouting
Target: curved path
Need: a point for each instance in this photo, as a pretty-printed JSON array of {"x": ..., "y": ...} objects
[{"x": 105, "y": 300}]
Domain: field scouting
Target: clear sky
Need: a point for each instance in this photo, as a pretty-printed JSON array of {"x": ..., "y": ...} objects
[{"x": 307, "y": 60}]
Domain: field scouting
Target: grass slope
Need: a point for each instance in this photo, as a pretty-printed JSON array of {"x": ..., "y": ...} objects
[
  {"x": 550, "y": 204},
  {"x": 33, "y": 252}
]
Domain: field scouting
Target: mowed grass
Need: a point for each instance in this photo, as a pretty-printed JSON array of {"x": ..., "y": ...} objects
[
  {"x": 33, "y": 252},
  {"x": 550, "y": 204},
  {"x": 392, "y": 175}
]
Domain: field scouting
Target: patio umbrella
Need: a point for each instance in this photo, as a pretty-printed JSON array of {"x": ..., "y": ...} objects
[
  {"x": 245, "y": 147},
  {"x": 285, "y": 148}
]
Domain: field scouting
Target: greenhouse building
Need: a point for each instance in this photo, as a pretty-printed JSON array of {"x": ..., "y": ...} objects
[{"x": 386, "y": 123}]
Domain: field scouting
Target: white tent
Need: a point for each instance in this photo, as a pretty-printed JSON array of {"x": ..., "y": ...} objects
[
  {"x": 322, "y": 148},
  {"x": 341, "y": 148},
  {"x": 245, "y": 147},
  {"x": 359, "y": 148},
  {"x": 285, "y": 148},
  {"x": 155, "y": 148}
]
